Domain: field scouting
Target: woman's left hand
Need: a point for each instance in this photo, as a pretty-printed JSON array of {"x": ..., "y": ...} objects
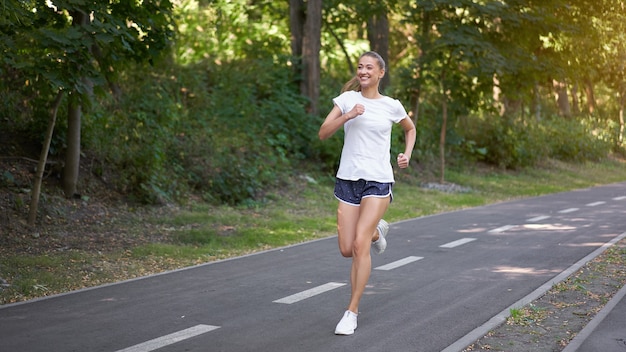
[{"x": 403, "y": 161}]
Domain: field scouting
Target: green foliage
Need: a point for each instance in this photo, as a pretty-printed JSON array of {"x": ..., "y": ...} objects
[
  {"x": 76, "y": 45},
  {"x": 133, "y": 142},
  {"x": 223, "y": 116},
  {"x": 516, "y": 143},
  {"x": 227, "y": 134},
  {"x": 579, "y": 140},
  {"x": 258, "y": 130},
  {"x": 226, "y": 30},
  {"x": 510, "y": 143}
]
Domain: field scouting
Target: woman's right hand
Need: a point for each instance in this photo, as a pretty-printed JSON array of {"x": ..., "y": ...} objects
[{"x": 357, "y": 110}]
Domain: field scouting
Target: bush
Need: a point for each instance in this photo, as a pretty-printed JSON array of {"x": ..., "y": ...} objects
[
  {"x": 508, "y": 143},
  {"x": 578, "y": 140},
  {"x": 515, "y": 143},
  {"x": 227, "y": 134}
]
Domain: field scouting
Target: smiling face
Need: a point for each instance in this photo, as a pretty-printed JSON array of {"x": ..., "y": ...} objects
[{"x": 369, "y": 71}]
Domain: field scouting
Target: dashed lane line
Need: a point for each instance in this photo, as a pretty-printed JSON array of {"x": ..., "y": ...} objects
[
  {"x": 309, "y": 293},
  {"x": 171, "y": 338},
  {"x": 568, "y": 210},
  {"x": 538, "y": 218},
  {"x": 398, "y": 263},
  {"x": 457, "y": 243},
  {"x": 499, "y": 318},
  {"x": 619, "y": 198},
  {"x": 594, "y": 204},
  {"x": 502, "y": 229}
]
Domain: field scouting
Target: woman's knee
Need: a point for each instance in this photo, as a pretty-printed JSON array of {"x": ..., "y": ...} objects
[
  {"x": 345, "y": 249},
  {"x": 346, "y": 252},
  {"x": 360, "y": 248}
]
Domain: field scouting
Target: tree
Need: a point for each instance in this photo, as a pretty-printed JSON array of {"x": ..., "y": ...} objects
[
  {"x": 378, "y": 35},
  {"x": 610, "y": 23},
  {"x": 305, "y": 23},
  {"x": 458, "y": 56},
  {"x": 32, "y": 215},
  {"x": 593, "y": 44},
  {"x": 77, "y": 46},
  {"x": 311, "y": 44},
  {"x": 297, "y": 17}
]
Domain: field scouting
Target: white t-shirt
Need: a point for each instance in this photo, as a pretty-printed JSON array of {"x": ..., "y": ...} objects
[{"x": 367, "y": 140}]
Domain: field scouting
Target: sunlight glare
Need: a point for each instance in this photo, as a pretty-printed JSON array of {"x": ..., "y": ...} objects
[{"x": 522, "y": 271}]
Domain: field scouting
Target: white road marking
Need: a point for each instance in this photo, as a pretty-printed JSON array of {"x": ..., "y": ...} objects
[
  {"x": 502, "y": 229},
  {"x": 398, "y": 263},
  {"x": 309, "y": 293},
  {"x": 595, "y": 204},
  {"x": 170, "y": 339},
  {"x": 569, "y": 210},
  {"x": 501, "y": 317},
  {"x": 457, "y": 243},
  {"x": 619, "y": 198},
  {"x": 538, "y": 218}
]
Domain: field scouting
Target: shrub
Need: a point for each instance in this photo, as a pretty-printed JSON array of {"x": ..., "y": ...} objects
[
  {"x": 227, "y": 135},
  {"x": 515, "y": 143},
  {"x": 578, "y": 140},
  {"x": 508, "y": 143}
]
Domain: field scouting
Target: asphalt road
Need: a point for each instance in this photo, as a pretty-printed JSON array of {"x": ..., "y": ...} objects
[{"x": 441, "y": 279}]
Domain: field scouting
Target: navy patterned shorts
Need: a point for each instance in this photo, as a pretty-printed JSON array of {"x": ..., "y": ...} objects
[{"x": 352, "y": 192}]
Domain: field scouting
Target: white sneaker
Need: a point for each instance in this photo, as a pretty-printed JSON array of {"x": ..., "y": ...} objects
[
  {"x": 380, "y": 244},
  {"x": 347, "y": 324}
]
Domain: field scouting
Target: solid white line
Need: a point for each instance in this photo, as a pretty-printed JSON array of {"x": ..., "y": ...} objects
[
  {"x": 569, "y": 210},
  {"x": 398, "y": 263},
  {"x": 502, "y": 229},
  {"x": 578, "y": 340},
  {"x": 498, "y": 319},
  {"x": 619, "y": 198},
  {"x": 457, "y": 243},
  {"x": 595, "y": 204},
  {"x": 538, "y": 218},
  {"x": 309, "y": 293},
  {"x": 170, "y": 339}
]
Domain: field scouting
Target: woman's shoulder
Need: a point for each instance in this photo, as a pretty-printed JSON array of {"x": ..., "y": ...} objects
[
  {"x": 350, "y": 93},
  {"x": 347, "y": 96},
  {"x": 390, "y": 100},
  {"x": 395, "y": 105}
]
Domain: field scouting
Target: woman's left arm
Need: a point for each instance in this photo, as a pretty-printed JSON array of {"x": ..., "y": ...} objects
[{"x": 409, "y": 142}]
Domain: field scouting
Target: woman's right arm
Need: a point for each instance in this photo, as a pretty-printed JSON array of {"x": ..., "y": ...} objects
[{"x": 336, "y": 119}]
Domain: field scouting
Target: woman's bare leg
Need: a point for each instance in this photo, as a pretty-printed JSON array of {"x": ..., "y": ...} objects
[
  {"x": 347, "y": 218},
  {"x": 357, "y": 229}
]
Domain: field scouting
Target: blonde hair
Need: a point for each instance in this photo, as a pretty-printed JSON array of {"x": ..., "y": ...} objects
[{"x": 353, "y": 83}]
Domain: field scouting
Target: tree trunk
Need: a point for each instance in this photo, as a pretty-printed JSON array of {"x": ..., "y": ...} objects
[
  {"x": 311, "y": 46},
  {"x": 424, "y": 42},
  {"x": 378, "y": 36},
  {"x": 72, "y": 154},
  {"x": 34, "y": 201},
  {"x": 442, "y": 138},
  {"x": 562, "y": 99},
  {"x": 537, "y": 101},
  {"x": 622, "y": 103},
  {"x": 296, "y": 25},
  {"x": 575, "y": 100},
  {"x": 444, "y": 122},
  {"x": 74, "y": 112},
  {"x": 591, "y": 97}
]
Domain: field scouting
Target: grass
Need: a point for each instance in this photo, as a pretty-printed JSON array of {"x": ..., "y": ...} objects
[
  {"x": 299, "y": 211},
  {"x": 526, "y": 315}
]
